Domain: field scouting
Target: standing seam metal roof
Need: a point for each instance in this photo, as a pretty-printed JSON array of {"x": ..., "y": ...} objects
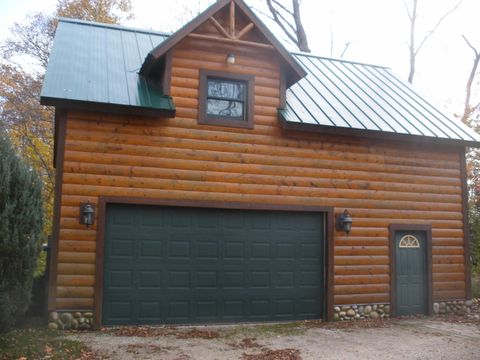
[
  {"x": 344, "y": 94},
  {"x": 98, "y": 63}
]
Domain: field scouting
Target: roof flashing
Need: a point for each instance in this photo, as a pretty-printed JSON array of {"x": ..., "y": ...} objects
[{"x": 113, "y": 26}]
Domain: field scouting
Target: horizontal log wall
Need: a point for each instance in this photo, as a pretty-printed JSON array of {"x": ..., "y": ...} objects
[{"x": 380, "y": 183}]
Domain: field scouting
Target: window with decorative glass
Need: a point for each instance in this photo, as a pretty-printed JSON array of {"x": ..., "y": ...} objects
[{"x": 226, "y": 99}]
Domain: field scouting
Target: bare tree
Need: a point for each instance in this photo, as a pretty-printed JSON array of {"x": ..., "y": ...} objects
[
  {"x": 187, "y": 10},
  {"x": 468, "y": 108},
  {"x": 413, "y": 48},
  {"x": 289, "y": 19}
]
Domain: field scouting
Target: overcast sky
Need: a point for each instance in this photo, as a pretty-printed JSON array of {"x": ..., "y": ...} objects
[{"x": 376, "y": 29}]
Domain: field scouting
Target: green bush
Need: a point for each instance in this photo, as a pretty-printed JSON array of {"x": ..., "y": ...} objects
[{"x": 21, "y": 221}]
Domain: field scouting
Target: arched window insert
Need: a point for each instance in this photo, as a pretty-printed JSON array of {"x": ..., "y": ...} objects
[{"x": 409, "y": 241}]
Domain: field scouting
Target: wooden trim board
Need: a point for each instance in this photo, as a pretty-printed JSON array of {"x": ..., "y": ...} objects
[
  {"x": 101, "y": 217},
  {"x": 60, "y": 125},
  {"x": 466, "y": 226}
]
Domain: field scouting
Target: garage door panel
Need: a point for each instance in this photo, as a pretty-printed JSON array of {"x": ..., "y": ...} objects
[
  {"x": 149, "y": 311},
  {"x": 234, "y": 249},
  {"x": 179, "y": 248},
  {"x": 207, "y": 248},
  {"x": 284, "y": 308},
  {"x": 122, "y": 218},
  {"x": 234, "y": 221},
  {"x": 233, "y": 309},
  {"x": 120, "y": 279},
  {"x": 178, "y": 310},
  {"x": 149, "y": 279},
  {"x": 260, "y": 279},
  {"x": 260, "y": 250},
  {"x": 206, "y": 309},
  {"x": 120, "y": 310},
  {"x": 178, "y": 279},
  {"x": 122, "y": 248},
  {"x": 191, "y": 265},
  {"x": 206, "y": 280}
]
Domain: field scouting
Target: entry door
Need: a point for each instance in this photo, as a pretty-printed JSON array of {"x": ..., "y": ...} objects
[{"x": 411, "y": 272}]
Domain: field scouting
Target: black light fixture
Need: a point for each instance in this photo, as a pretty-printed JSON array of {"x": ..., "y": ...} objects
[
  {"x": 87, "y": 214},
  {"x": 344, "y": 222},
  {"x": 231, "y": 58}
]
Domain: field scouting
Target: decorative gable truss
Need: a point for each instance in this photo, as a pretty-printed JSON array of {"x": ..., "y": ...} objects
[
  {"x": 229, "y": 22},
  {"x": 228, "y": 30}
]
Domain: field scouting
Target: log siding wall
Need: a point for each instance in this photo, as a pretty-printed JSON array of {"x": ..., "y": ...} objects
[{"x": 381, "y": 183}]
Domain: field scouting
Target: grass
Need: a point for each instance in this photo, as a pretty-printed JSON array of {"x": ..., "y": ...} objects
[
  {"x": 277, "y": 329},
  {"x": 37, "y": 343}
]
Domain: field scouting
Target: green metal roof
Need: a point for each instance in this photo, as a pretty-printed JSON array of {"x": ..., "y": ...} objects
[
  {"x": 93, "y": 64},
  {"x": 96, "y": 66},
  {"x": 338, "y": 95}
]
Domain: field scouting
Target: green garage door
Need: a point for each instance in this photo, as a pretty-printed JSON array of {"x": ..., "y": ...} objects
[{"x": 178, "y": 265}]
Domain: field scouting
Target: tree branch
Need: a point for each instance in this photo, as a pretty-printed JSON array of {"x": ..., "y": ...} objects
[
  {"x": 288, "y": 11},
  {"x": 430, "y": 33},
  {"x": 408, "y": 11},
  {"x": 345, "y": 49},
  {"x": 263, "y": 13},
  {"x": 280, "y": 23},
  {"x": 467, "y": 111}
]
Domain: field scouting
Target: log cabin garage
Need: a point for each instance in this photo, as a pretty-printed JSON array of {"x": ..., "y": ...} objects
[{"x": 211, "y": 176}]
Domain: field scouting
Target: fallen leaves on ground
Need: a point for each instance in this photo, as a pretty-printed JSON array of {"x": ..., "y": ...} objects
[
  {"x": 136, "y": 348},
  {"x": 197, "y": 334},
  {"x": 140, "y": 331},
  {"x": 247, "y": 343},
  {"x": 152, "y": 331},
  {"x": 282, "y": 354},
  {"x": 89, "y": 355}
]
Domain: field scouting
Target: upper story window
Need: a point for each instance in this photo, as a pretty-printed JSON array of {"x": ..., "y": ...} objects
[{"x": 226, "y": 99}]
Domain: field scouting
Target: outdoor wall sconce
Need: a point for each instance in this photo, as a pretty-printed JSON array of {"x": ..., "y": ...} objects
[
  {"x": 231, "y": 58},
  {"x": 344, "y": 222},
  {"x": 87, "y": 214}
]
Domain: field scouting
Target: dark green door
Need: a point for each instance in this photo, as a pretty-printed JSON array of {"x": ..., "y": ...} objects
[
  {"x": 411, "y": 283},
  {"x": 167, "y": 265}
]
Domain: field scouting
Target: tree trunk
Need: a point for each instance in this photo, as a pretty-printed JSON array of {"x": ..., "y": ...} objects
[
  {"x": 468, "y": 109},
  {"x": 413, "y": 18},
  {"x": 301, "y": 35}
]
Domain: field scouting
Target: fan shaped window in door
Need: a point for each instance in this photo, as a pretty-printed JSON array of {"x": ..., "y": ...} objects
[{"x": 409, "y": 241}]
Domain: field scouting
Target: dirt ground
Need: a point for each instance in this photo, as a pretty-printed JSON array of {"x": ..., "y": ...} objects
[{"x": 392, "y": 339}]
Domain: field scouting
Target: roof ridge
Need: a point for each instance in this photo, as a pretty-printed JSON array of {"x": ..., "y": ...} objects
[
  {"x": 338, "y": 59},
  {"x": 112, "y": 26}
]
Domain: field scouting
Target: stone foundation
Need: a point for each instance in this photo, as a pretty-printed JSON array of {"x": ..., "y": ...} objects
[
  {"x": 357, "y": 312},
  {"x": 76, "y": 320},
  {"x": 457, "y": 307},
  {"x": 375, "y": 311}
]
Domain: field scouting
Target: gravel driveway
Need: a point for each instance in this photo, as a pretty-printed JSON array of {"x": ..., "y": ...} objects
[{"x": 393, "y": 339}]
